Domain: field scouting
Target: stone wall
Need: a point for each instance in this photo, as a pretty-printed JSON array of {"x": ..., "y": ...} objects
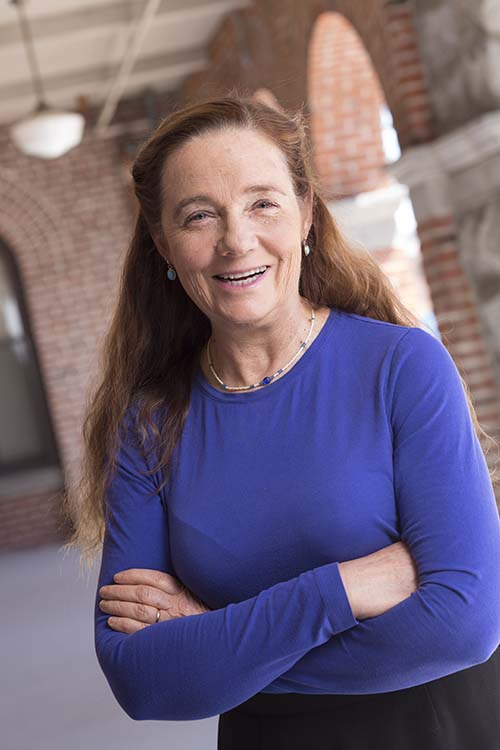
[{"x": 460, "y": 52}]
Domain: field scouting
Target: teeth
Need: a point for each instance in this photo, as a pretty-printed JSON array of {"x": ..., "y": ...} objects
[{"x": 243, "y": 275}]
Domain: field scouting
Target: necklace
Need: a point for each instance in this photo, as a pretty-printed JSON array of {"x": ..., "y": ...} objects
[{"x": 269, "y": 378}]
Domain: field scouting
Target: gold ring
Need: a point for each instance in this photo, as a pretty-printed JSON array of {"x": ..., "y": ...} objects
[{"x": 157, "y": 617}]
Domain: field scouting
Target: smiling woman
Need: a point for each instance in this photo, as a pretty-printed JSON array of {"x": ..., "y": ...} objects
[
  {"x": 282, "y": 468},
  {"x": 230, "y": 227}
]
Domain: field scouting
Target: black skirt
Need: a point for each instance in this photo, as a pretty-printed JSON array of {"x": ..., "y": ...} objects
[{"x": 458, "y": 712}]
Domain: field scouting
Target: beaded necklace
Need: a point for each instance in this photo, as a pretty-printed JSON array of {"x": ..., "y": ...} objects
[{"x": 269, "y": 378}]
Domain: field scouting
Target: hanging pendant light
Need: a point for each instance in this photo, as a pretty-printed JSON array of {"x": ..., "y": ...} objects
[{"x": 47, "y": 132}]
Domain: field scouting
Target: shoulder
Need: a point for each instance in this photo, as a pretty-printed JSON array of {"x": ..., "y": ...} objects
[
  {"x": 378, "y": 339},
  {"x": 422, "y": 354},
  {"x": 370, "y": 329},
  {"x": 404, "y": 358},
  {"x": 394, "y": 335},
  {"x": 407, "y": 368},
  {"x": 424, "y": 381}
]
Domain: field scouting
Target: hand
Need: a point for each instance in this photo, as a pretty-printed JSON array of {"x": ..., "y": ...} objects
[{"x": 137, "y": 595}]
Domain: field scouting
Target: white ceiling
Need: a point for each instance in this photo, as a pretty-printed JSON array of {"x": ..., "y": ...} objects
[{"x": 80, "y": 44}]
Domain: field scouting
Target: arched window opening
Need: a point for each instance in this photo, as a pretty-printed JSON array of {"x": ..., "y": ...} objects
[
  {"x": 390, "y": 140},
  {"x": 354, "y": 141},
  {"x": 345, "y": 98},
  {"x": 26, "y": 437}
]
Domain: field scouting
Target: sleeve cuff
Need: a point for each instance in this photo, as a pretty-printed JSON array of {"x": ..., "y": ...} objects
[{"x": 334, "y": 595}]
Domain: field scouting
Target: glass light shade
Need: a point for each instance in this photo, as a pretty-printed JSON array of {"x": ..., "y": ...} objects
[{"x": 48, "y": 133}]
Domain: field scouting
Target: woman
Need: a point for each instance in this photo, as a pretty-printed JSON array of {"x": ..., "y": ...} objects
[{"x": 301, "y": 533}]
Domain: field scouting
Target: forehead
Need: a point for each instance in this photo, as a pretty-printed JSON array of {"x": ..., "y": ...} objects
[{"x": 225, "y": 157}]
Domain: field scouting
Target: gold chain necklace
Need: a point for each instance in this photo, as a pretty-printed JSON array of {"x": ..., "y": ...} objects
[{"x": 269, "y": 378}]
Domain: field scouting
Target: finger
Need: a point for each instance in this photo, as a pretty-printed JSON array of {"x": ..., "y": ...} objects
[
  {"x": 140, "y": 594},
  {"x": 140, "y": 612},
  {"x": 126, "y": 625},
  {"x": 149, "y": 577}
]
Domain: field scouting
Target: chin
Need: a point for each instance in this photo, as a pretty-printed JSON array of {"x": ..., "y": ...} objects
[{"x": 241, "y": 312}]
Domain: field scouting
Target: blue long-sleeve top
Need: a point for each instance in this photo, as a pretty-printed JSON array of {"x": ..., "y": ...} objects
[{"x": 365, "y": 441}]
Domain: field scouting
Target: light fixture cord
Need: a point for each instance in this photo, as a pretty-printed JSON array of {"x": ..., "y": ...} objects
[{"x": 30, "y": 52}]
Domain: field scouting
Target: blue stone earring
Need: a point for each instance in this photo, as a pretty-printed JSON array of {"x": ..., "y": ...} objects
[
  {"x": 171, "y": 272},
  {"x": 306, "y": 247}
]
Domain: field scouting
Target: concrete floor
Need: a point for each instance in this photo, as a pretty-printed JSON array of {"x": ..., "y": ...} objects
[{"x": 53, "y": 695}]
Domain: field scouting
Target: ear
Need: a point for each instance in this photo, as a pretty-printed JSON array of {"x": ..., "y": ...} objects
[
  {"x": 307, "y": 211},
  {"x": 160, "y": 246}
]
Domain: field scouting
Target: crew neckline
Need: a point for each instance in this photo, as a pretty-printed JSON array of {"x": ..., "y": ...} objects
[{"x": 236, "y": 397}]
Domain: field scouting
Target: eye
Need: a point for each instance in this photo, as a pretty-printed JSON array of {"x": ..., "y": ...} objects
[
  {"x": 192, "y": 218},
  {"x": 267, "y": 203}
]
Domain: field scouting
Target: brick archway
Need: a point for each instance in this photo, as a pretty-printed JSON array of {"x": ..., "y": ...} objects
[
  {"x": 345, "y": 99},
  {"x": 29, "y": 228},
  {"x": 29, "y": 223}
]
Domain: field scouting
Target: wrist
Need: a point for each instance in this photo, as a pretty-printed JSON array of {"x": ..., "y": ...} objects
[{"x": 346, "y": 571}]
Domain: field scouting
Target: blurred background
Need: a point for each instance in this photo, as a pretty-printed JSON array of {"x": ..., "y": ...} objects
[{"x": 402, "y": 99}]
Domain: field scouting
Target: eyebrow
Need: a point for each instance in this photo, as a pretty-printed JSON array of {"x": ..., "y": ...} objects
[{"x": 206, "y": 198}]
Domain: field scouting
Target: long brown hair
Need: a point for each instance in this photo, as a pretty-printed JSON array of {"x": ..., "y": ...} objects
[{"x": 156, "y": 336}]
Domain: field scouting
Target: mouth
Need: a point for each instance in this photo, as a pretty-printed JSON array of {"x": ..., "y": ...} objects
[
  {"x": 239, "y": 279},
  {"x": 239, "y": 275}
]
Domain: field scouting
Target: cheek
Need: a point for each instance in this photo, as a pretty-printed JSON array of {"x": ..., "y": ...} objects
[
  {"x": 287, "y": 249},
  {"x": 190, "y": 256},
  {"x": 289, "y": 260}
]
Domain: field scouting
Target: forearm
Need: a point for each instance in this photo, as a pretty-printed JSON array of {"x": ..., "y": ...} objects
[
  {"x": 201, "y": 665},
  {"x": 376, "y": 582},
  {"x": 449, "y": 624}
]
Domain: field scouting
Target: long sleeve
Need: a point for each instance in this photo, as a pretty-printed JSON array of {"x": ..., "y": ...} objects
[
  {"x": 449, "y": 520},
  {"x": 201, "y": 665}
]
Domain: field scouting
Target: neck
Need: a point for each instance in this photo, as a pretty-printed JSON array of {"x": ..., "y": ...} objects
[{"x": 244, "y": 354}]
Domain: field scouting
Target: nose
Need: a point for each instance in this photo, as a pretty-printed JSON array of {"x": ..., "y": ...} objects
[{"x": 237, "y": 236}]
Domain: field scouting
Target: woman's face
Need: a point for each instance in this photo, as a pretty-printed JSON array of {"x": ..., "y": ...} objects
[{"x": 230, "y": 207}]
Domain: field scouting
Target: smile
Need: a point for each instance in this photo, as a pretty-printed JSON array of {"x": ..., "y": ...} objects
[
  {"x": 242, "y": 280},
  {"x": 241, "y": 274}
]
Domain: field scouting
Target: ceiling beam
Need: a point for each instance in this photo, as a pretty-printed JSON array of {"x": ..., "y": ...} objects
[
  {"x": 137, "y": 31},
  {"x": 88, "y": 76},
  {"x": 111, "y": 14}
]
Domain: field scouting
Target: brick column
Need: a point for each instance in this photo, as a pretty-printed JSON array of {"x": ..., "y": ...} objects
[
  {"x": 457, "y": 313},
  {"x": 452, "y": 182},
  {"x": 407, "y": 83}
]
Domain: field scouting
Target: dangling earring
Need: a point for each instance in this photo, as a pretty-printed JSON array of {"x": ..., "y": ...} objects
[
  {"x": 171, "y": 272},
  {"x": 305, "y": 247}
]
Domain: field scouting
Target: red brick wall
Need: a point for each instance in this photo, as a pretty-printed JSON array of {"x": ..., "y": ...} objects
[
  {"x": 67, "y": 224},
  {"x": 456, "y": 311},
  {"x": 267, "y": 45},
  {"x": 344, "y": 103},
  {"x": 406, "y": 87},
  {"x": 30, "y": 520}
]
